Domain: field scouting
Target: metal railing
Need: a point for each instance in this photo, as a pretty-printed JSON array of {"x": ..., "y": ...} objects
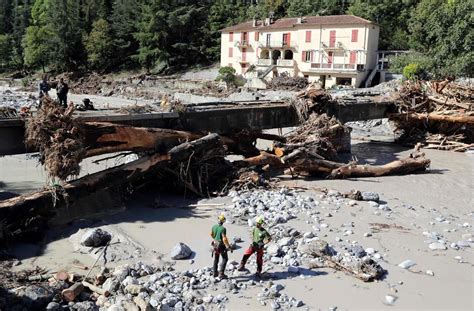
[
  {"x": 286, "y": 62},
  {"x": 278, "y": 44},
  {"x": 332, "y": 66},
  {"x": 242, "y": 43},
  {"x": 264, "y": 62}
]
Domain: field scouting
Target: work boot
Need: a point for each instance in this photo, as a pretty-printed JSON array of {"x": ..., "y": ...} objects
[
  {"x": 222, "y": 275},
  {"x": 241, "y": 267},
  {"x": 215, "y": 274},
  {"x": 258, "y": 275}
]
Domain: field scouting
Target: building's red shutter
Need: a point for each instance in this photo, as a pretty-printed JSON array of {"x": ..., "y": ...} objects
[
  {"x": 231, "y": 36},
  {"x": 352, "y": 58},
  {"x": 330, "y": 57},
  {"x": 231, "y": 52},
  {"x": 355, "y": 34},
  {"x": 332, "y": 38},
  {"x": 286, "y": 39},
  {"x": 311, "y": 55},
  {"x": 303, "y": 56},
  {"x": 308, "y": 35},
  {"x": 244, "y": 54},
  {"x": 256, "y": 36}
]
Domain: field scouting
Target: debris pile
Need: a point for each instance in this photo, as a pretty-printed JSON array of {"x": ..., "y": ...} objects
[
  {"x": 438, "y": 114},
  {"x": 285, "y": 82},
  {"x": 58, "y": 138}
]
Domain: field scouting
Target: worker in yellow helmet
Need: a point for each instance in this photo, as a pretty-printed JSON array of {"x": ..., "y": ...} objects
[
  {"x": 260, "y": 237},
  {"x": 221, "y": 246}
]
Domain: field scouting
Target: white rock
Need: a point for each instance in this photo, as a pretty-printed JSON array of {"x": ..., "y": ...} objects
[
  {"x": 437, "y": 246},
  {"x": 180, "y": 251},
  {"x": 429, "y": 272},
  {"x": 352, "y": 203},
  {"x": 390, "y": 299},
  {"x": 273, "y": 249},
  {"x": 323, "y": 225},
  {"x": 407, "y": 264},
  {"x": 338, "y": 239},
  {"x": 463, "y": 243},
  {"x": 367, "y": 234},
  {"x": 207, "y": 299},
  {"x": 377, "y": 256},
  {"x": 285, "y": 241}
]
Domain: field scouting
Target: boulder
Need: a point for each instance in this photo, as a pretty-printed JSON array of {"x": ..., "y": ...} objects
[
  {"x": 370, "y": 196},
  {"x": 180, "y": 251},
  {"x": 95, "y": 238}
]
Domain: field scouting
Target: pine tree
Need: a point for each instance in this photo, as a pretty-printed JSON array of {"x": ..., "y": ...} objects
[
  {"x": 20, "y": 21},
  {"x": 99, "y": 45},
  {"x": 124, "y": 23}
]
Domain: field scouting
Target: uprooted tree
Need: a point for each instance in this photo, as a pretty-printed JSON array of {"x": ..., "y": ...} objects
[{"x": 176, "y": 159}]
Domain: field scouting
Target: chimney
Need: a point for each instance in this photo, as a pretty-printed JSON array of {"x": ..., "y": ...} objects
[
  {"x": 299, "y": 20},
  {"x": 254, "y": 22},
  {"x": 268, "y": 21}
]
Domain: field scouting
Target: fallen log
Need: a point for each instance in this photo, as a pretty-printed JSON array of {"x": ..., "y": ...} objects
[
  {"x": 96, "y": 289},
  {"x": 70, "y": 294},
  {"x": 465, "y": 119},
  {"x": 27, "y": 215}
]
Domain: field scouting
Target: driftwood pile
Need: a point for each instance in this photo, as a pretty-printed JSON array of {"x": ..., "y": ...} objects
[
  {"x": 285, "y": 82},
  {"x": 438, "y": 114},
  {"x": 190, "y": 162}
]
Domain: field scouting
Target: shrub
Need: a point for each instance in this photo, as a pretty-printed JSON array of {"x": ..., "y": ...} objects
[
  {"x": 412, "y": 71},
  {"x": 227, "y": 74}
]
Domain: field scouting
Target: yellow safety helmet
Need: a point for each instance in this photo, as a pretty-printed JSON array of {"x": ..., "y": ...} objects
[
  {"x": 260, "y": 220},
  {"x": 221, "y": 218}
]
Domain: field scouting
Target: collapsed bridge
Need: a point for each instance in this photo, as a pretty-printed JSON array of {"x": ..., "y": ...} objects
[{"x": 218, "y": 117}]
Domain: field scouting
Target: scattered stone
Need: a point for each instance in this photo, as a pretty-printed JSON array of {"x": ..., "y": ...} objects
[
  {"x": 273, "y": 249},
  {"x": 390, "y": 299},
  {"x": 95, "y": 238},
  {"x": 357, "y": 250},
  {"x": 463, "y": 244},
  {"x": 53, "y": 306},
  {"x": 180, "y": 251},
  {"x": 437, "y": 246},
  {"x": 134, "y": 289},
  {"x": 370, "y": 196},
  {"x": 367, "y": 234},
  {"x": 407, "y": 264},
  {"x": 429, "y": 272}
]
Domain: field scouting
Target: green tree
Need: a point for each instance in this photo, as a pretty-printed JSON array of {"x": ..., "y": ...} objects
[
  {"x": 444, "y": 31},
  {"x": 391, "y": 15},
  {"x": 298, "y": 8},
  {"x": 124, "y": 22},
  {"x": 20, "y": 21},
  {"x": 4, "y": 52},
  {"x": 99, "y": 45},
  {"x": 227, "y": 74},
  {"x": 36, "y": 48}
]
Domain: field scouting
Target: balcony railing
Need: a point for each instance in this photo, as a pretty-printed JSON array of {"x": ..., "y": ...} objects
[
  {"x": 278, "y": 44},
  {"x": 336, "y": 67},
  {"x": 264, "y": 62},
  {"x": 286, "y": 62},
  {"x": 242, "y": 60},
  {"x": 337, "y": 46},
  {"x": 242, "y": 44}
]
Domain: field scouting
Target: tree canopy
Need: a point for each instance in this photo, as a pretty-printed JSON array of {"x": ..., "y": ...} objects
[{"x": 166, "y": 35}]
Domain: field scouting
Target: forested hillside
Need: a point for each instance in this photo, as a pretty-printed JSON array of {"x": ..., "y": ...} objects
[{"x": 165, "y": 36}]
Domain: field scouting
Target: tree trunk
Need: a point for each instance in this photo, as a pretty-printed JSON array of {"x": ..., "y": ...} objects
[
  {"x": 27, "y": 215},
  {"x": 465, "y": 119}
]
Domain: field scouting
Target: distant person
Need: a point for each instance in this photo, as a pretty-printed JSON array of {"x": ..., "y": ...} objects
[
  {"x": 62, "y": 89},
  {"x": 260, "y": 237},
  {"x": 44, "y": 87},
  {"x": 221, "y": 246}
]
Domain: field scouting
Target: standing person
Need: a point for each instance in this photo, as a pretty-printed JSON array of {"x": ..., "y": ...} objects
[
  {"x": 221, "y": 246},
  {"x": 260, "y": 237},
  {"x": 62, "y": 89},
  {"x": 43, "y": 87}
]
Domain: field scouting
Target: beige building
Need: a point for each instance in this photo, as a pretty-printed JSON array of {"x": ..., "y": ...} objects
[{"x": 339, "y": 49}]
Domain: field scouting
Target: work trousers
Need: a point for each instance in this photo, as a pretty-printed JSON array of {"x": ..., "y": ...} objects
[
  {"x": 254, "y": 249},
  {"x": 63, "y": 100},
  {"x": 220, "y": 251}
]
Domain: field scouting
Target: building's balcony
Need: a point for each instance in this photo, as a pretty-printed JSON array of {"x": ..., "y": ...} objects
[
  {"x": 337, "y": 46},
  {"x": 264, "y": 62},
  {"x": 286, "y": 63},
  {"x": 242, "y": 44},
  {"x": 242, "y": 60},
  {"x": 336, "y": 67},
  {"x": 278, "y": 44}
]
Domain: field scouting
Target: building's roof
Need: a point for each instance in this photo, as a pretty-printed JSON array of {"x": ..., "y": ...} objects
[{"x": 284, "y": 23}]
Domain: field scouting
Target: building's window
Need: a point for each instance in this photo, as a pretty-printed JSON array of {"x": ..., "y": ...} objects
[
  {"x": 306, "y": 56},
  {"x": 355, "y": 34},
  {"x": 352, "y": 57},
  {"x": 269, "y": 37},
  {"x": 332, "y": 38},
  {"x": 286, "y": 39},
  {"x": 308, "y": 35},
  {"x": 231, "y": 36},
  {"x": 244, "y": 38},
  {"x": 231, "y": 52},
  {"x": 257, "y": 35},
  {"x": 330, "y": 57},
  {"x": 343, "y": 81}
]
